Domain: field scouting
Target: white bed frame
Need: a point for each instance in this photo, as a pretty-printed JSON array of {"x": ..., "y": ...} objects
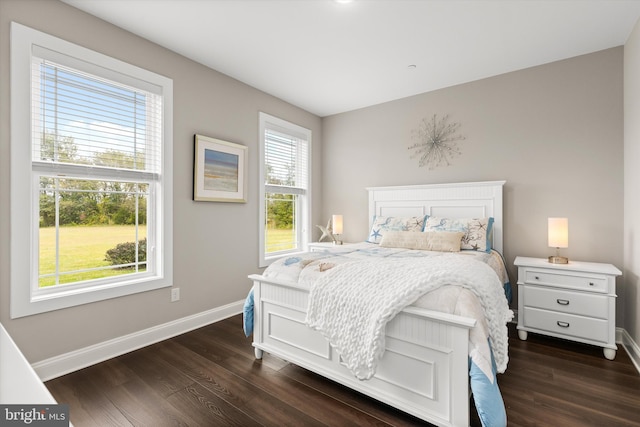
[{"x": 424, "y": 370}]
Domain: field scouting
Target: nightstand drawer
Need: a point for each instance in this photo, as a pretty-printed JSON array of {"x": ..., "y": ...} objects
[
  {"x": 567, "y": 280},
  {"x": 585, "y": 304},
  {"x": 566, "y": 324}
]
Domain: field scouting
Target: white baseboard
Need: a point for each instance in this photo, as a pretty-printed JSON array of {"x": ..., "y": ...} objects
[
  {"x": 69, "y": 362},
  {"x": 631, "y": 347}
]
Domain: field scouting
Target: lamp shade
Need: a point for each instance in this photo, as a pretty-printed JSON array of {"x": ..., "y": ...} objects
[
  {"x": 559, "y": 232},
  {"x": 336, "y": 221}
]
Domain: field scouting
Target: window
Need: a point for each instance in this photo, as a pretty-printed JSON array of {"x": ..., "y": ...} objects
[
  {"x": 285, "y": 199},
  {"x": 91, "y": 176}
]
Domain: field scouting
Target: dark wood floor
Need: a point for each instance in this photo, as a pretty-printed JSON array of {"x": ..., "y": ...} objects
[{"x": 209, "y": 377}]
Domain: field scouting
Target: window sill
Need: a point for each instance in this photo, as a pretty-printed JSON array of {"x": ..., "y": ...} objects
[{"x": 23, "y": 304}]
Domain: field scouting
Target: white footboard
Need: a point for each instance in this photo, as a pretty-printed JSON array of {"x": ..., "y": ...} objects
[{"x": 424, "y": 370}]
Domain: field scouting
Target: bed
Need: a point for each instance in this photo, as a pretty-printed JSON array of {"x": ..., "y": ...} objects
[{"x": 425, "y": 365}]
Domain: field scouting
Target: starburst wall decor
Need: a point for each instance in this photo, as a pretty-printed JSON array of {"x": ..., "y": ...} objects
[{"x": 436, "y": 142}]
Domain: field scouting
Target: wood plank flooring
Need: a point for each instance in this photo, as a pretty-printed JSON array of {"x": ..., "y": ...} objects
[{"x": 209, "y": 377}]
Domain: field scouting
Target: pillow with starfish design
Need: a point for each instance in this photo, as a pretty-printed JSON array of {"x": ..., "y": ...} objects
[{"x": 477, "y": 231}]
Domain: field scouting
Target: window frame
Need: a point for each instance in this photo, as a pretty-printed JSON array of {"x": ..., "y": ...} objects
[
  {"x": 25, "y": 183},
  {"x": 303, "y": 208}
]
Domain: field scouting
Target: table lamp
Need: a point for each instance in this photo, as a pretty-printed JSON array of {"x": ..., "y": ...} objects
[
  {"x": 558, "y": 238},
  {"x": 336, "y": 228}
]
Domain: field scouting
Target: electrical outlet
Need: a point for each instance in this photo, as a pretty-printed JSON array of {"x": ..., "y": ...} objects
[{"x": 175, "y": 294}]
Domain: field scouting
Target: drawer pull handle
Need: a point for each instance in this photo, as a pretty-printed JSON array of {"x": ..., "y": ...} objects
[
  {"x": 563, "y": 301},
  {"x": 591, "y": 284},
  {"x": 563, "y": 324},
  {"x": 537, "y": 278}
]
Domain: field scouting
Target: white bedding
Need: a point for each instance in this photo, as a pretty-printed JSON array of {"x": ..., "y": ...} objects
[{"x": 449, "y": 281}]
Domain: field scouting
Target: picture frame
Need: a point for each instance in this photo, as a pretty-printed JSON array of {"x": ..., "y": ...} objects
[{"x": 219, "y": 170}]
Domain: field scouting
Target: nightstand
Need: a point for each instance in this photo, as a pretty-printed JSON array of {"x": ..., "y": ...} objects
[
  {"x": 574, "y": 301},
  {"x": 321, "y": 246}
]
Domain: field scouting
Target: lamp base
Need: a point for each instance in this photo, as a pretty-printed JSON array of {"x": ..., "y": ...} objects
[
  {"x": 554, "y": 259},
  {"x": 337, "y": 242}
]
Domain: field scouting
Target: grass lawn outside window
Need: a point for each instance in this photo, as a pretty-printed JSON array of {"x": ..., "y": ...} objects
[{"x": 85, "y": 247}]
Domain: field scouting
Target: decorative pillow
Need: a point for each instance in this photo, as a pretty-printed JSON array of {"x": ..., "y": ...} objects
[
  {"x": 442, "y": 241},
  {"x": 383, "y": 224},
  {"x": 477, "y": 231}
]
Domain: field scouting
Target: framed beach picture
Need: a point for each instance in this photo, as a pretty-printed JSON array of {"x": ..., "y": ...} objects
[{"x": 219, "y": 171}]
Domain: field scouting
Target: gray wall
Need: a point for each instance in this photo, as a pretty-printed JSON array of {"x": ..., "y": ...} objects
[
  {"x": 553, "y": 132},
  {"x": 216, "y": 244},
  {"x": 631, "y": 294}
]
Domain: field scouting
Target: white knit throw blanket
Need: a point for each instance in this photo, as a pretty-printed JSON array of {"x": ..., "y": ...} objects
[{"x": 353, "y": 302}]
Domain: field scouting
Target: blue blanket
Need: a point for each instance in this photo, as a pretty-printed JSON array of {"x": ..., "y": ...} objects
[
  {"x": 247, "y": 314},
  {"x": 487, "y": 396}
]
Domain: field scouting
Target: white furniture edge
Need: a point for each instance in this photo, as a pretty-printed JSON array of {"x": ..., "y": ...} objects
[
  {"x": 19, "y": 383},
  {"x": 280, "y": 308}
]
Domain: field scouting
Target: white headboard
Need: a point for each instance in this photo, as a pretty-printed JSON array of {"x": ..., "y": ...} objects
[{"x": 458, "y": 200}]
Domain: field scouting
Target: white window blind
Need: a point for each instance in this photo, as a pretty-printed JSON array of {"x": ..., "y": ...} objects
[
  {"x": 87, "y": 125},
  {"x": 286, "y": 159}
]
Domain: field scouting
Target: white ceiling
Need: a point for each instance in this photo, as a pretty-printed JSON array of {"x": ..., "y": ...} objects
[{"x": 328, "y": 58}]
